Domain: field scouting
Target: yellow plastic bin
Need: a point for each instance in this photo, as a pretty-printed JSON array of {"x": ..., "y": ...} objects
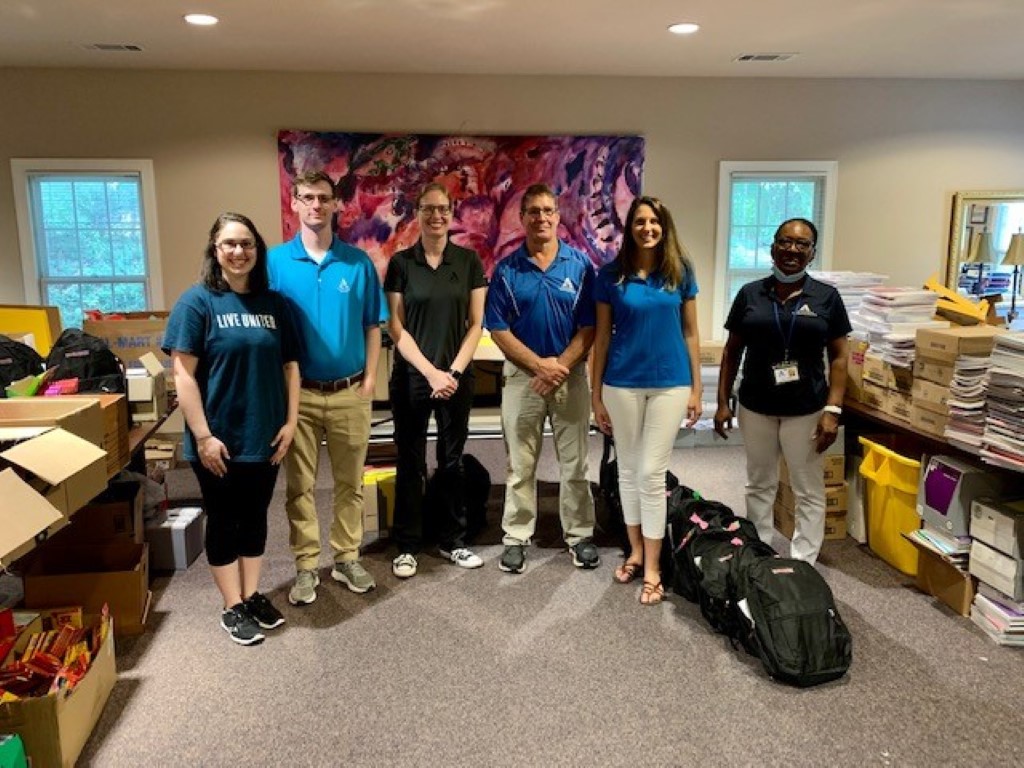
[{"x": 891, "y": 504}]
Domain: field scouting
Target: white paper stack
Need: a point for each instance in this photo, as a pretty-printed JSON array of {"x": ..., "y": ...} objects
[
  {"x": 1003, "y": 438},
  {"x": 891, "y": 317},
  {"x": 967, "y": 399}
]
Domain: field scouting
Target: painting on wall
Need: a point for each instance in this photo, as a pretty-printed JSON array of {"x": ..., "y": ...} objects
[{"x": 378, "y": 176}]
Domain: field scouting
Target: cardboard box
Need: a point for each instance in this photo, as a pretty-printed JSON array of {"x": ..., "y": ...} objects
[
  {"x": 82, "y": 416},
  {"x": 24, "y": 516},
  {"x": 785, "y": 522},
  {"x": 928, "y": 421},
  {"x": 55, "y": 728},
  {"x": 176, "y": 540},
  {"x": 1000, "y": 524},
  {"x": 147, "y": 389},
  {"x": 855, "y": 368},
  {"x": 711, "y": 352},
  {"x": 835, "y": 498},
  {"x": 374, "y": 522},
  {"x": 68, "y": 471},
  {"x": 115, "y": 429},
  {"x": 937, "y": 371},
  {"x": 161, "y": 457},
  {"x": 874, "y": 395},
  {"x": 898, "y": 378},
  {"x": 931, "y": 396},
  {"x": 834, "y": 469},
  {"x": 113, "y": 572},
  {"x": 899, "y": 405},
  {"x": 114, "y": 514},
  {"x": 997, "y": 570},
  {"x": 938, "y": 577},
  {"x": 874, "y": 369},
  {"x": 946, "y": 344},
  {"x": 134, "y": 336}
]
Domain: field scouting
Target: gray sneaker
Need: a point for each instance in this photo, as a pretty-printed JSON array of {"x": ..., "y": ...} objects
[
  {"x": 303, "y": 591},
  {"x": 353, "y": 576}
]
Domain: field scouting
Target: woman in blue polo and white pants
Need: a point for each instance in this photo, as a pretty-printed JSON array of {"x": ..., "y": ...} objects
[{"x": 645, "y": 374}]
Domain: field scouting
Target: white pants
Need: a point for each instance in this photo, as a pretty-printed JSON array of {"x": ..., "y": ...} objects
[
  {"x": 765, "y": 437},
  {"x": 645, "y": 423}
]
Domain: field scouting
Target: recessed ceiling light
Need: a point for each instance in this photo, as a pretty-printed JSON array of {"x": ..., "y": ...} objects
[
  {"x": 684, "y": 28},
  {"x": 201, "y": 19}
]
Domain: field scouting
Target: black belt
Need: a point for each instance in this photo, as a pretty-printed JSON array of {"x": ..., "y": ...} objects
[{"x": 333, "y": 386}]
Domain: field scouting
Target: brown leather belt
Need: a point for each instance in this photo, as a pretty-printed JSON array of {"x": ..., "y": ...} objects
[{"x": 333, "y": 386}]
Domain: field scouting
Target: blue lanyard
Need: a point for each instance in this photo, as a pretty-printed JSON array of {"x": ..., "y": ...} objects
[{"x": 787, "y": 339}]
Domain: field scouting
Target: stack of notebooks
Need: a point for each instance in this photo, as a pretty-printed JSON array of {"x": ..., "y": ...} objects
[
  {"x": 967, "y": 398},
  {"x": 851, "y": 285},
  {"x": 955, "y": 549},
  {"x": 1003, "y": 438},
  {"x": 1000, "y": 617},
  {"x": 891, "y": 317}
]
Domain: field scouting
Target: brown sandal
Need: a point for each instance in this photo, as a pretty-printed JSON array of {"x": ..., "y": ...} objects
[
  {"x": 652, "y": 593},
  {"x": 628, "y": 571}
]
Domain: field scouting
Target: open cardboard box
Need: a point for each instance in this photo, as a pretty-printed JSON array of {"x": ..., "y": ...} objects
[
  {"x": 82, "y": 416},
  {"x": 55, "y": 728},
  {"x": 24, "y": 516},
  {"x": 115, "y": 573},
  {"x": 67, "y": 470},
  {"x": 147, "y": 389},
  {"x": 939, "y": 577}
]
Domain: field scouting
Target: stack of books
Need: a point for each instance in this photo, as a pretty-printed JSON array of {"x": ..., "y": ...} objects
[
  {"x": 966, "y": 403},
  {"x": 891, "y": 316},
  {"x": 955, "y": 549},
  {"x": 851, "y": 285},
  {"x": 1000, "y": 617},
  {"x": 1002, "y": 442}
]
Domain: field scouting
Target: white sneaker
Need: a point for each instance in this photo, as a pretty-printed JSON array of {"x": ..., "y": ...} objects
[
  {"x": 463, "y": 557},
  {"x": 404, "y": 566}
]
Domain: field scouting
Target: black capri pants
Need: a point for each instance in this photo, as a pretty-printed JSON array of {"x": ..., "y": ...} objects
[{"x": 236, "y": 509}]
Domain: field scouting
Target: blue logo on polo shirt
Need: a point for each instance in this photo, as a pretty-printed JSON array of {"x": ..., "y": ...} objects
[
  {"x": 567, "y": 286},
  {"x": 343, "y": 286}
]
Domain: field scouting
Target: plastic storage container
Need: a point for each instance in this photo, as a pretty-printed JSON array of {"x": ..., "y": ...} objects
[{"x": 891, "y": 504}]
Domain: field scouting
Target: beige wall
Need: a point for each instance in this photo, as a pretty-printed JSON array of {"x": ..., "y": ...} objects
[{"x": 903, "y": 147}]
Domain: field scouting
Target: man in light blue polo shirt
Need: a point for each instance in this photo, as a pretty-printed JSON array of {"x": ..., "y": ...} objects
[
  {"x": 540, "y": 312},
  {"x": 338, "y": 304}
]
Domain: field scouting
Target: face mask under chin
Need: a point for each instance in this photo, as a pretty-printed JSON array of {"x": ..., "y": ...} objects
[{"x": 782, "y": 277}]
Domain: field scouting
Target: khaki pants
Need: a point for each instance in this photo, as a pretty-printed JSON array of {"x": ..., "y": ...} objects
[
  {"x": 345, "y": 419},
  {"x": 523, "y": 413}
]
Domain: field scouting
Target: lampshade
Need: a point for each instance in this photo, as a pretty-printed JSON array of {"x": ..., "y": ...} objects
[
  {"x": 981, "y": 250},
  {"x": 1015, "y": 253}
]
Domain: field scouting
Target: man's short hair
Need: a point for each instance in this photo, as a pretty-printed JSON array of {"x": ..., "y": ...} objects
[
  {"x": 309, "y": 178},
  {"x": 536, "y": 190}
]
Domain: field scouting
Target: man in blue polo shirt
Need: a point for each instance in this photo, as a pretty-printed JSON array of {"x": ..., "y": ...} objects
[
  {"x": 338, "y": 304},
  {"x": 540, "y": 312}
]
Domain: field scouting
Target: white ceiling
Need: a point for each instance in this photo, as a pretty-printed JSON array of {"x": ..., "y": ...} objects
[{"x": 834, "y": 38}]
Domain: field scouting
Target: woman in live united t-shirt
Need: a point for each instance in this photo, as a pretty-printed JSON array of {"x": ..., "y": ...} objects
[{"x": 234, "y": 351}]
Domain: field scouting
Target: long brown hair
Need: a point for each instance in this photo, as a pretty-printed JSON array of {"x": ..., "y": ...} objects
[
  {"x": 210, "y": 273},
  {"x": 672, "y": 261}
]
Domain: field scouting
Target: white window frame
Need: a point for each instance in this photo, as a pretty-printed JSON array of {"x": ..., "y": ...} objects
[
  {"x": 726, "y": 170},
  {"x": 22, "y": 168}
]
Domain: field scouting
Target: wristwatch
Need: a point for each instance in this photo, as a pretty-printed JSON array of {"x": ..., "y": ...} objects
[
  {"x": 455, "y": 374},
  {"x": 836, "y": 410}
]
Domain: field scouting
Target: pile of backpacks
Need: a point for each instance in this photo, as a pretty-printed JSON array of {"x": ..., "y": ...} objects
[
  {"x": 777, "y": 608},
  {"x": 75, "y": 355}
]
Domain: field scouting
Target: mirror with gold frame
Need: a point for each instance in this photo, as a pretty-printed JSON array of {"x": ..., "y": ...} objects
[{"x": 980, "y": 231}]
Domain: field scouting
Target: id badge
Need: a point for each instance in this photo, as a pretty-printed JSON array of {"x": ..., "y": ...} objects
[{"x": 786, "y": 372}]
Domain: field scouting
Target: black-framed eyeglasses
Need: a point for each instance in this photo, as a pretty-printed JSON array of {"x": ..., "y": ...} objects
[
  {"x": 308, "y": 199},
  {"x": 440, "y": 210},
  {"x": 794, "y": 244},
  {"x": 229, "y": 246}
]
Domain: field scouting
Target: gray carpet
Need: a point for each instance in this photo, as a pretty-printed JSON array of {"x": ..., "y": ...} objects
[{"x": 552, "y": 667}]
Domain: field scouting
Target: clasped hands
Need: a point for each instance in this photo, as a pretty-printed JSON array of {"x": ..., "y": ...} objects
[
  {"x": 442, "y": 384},
  {"x": 548, "y": 376}
]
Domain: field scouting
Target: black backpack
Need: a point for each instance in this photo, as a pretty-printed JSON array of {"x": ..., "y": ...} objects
[
  {"x": 791, "y": 621},
  {"x": 17, "y": 360},
  {"x": 476, "y": 488},
  {"x": 82, "y": 356},
  {"x": 694, "y": 525}
]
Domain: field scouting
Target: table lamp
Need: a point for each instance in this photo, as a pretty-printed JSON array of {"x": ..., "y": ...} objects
[
  {"x": 1015, "y": 257},
  {"x": 980, "y": 252}
]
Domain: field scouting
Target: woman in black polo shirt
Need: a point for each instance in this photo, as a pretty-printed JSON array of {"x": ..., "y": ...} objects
[
  {"x": 435, "y": 292},
  {"x": 786, "y": 323}
]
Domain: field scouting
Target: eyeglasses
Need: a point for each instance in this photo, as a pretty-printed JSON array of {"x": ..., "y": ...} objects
[
  {"x": 308, "y": 199},
  {"x": 229, "y": 246},
  {"x": 440, "y": 210},
  {"x": 536, "y": 213},
  {"x": 790, "y": 244}
]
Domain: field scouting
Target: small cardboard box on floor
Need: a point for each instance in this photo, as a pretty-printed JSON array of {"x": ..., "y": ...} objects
[
  {"x": 939, "y": 577},
  {"x": 115, "y": 573},
  {"x": 176, "y": 540},
  {"x": 116, "y": 514},
  {"x": 55, "y": 727},
  {"x": 378, "y": 502}
]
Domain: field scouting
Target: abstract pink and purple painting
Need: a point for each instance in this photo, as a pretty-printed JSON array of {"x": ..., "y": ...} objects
[{"x": 378, "y": 176}]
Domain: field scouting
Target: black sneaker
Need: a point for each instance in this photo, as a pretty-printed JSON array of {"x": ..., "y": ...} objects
[
  {"x": 513, "y": 559},
  {"x": 263, "y": 611},
  {"x": 584, "y": 554},
  {"x": 242, "y": 627}
]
